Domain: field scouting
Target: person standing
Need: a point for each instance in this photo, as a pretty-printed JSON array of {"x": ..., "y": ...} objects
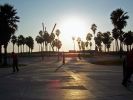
[
  {"x": 127, "y": 68},
  {"x": 15, "y": 62}
]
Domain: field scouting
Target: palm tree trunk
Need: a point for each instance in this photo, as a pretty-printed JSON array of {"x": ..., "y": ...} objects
[
  {"x": 23, "y": 48},
  {"x": 105, "y": 48},
  {"x": 29, "y": 49},
  {"x": 127, "y": 48},
  {"x": 52, "y": 47},
  {"x": 13, "y": 47},
  {"x": 5, "y": 54},
  {"x": 18, "y": 49},
  {"x": 117, "y": 46}
]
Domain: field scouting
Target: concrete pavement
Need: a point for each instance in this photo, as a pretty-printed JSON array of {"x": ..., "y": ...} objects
[{"x": 76, "y": 80}]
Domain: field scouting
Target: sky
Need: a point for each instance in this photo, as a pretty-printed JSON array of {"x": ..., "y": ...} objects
[{"x": 73, "y": 17}]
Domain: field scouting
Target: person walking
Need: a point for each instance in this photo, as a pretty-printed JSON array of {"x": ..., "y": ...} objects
[
  {"x": 15, "y": 62},
  {"x": 127, "y": 68}
]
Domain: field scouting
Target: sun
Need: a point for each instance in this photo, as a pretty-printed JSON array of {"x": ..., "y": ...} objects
[{"x": 74, "y": 26}]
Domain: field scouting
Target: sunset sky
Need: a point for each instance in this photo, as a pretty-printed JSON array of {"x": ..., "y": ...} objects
[{"x": 73, "y": 17}]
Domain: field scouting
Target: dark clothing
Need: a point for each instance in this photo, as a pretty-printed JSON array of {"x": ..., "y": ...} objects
[
  {"x": 15, "y": 62},
  {"x": 127, "y": 68}
]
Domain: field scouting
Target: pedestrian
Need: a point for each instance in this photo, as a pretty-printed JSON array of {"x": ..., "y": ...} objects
[
  {"x": 15, "y": 62},
  {"x": 127, "y": 68}
]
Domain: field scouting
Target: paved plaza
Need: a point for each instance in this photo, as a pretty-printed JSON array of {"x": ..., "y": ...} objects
[{"x": 50, "y": 80}]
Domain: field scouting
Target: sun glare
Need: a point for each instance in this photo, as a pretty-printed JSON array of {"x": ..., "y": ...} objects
[{"x": 74, "y": 26}]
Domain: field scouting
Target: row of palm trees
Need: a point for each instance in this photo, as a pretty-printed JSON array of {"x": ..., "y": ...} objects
[
  {"x": 45, "y": 40},
  {"x": 8, "y": 27},
  {"x": 122, "y": 39},
  {"x": 22, "y": 41}
]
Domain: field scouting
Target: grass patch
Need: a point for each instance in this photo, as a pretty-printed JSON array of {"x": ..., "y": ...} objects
[{"x": 108, "y": 62}]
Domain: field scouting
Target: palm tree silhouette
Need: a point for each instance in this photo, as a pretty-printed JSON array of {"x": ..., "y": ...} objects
[
  {"x": 57, "y": 34},
  {"x": 88, "y": 38},
  {"x": 21, "y": 42},
  {"x": 94, "y": 28},
  {"x": 46, "y": 39},
  {"x": 73, "y": 38},
  {"x": 98, "y": 41},
  {"x": 8, "y": 26},
  {"x": 116, "y": 34},
  {"x": 79, "y": 43},
  {"x": 13, "y": 40},
  {"x": 39, "y": 40},
  {"x": 128, "y": 39},
  {"x": 107, "y": 40},
  {"x": 30, "y": 43},
  {"x": 118, "y": 18}
]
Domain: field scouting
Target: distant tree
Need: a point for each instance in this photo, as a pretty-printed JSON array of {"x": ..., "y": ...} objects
[
  {"x": 8, "y": 26},
  {"x": 46, "y": 39},
  {"x": 83, "y": 45},
  {"x": 21, "y": 42},
  {"x": 128, "y": 39},
  {"x": 13, "y": 40},
  {"x": 57, "y": 33},
  {"x": 88, "y": 38},
  {"x": 79, "y": 43},
  {"x": 39, "y": 40},
  {"x": 94, "y": 28},
  {"x": 107, "y": 40},
  {"x": 57, "y": 43},
  {"x": 98, "y": 41},
  {"x": 30, "y": 43},
  {"x": 18, "y": 43},
  {"x": 116, "y": 34},
  {"x": 118, "y": 18},
  {"x": 51, "y": 39},
  {"x": 73, "y": 38},
  {"x": 90, "y": 45},
  {"x": 42, "y": 37}
]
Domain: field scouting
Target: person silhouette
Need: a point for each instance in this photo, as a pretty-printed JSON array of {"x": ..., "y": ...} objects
[
  {"x": 15, "y": 62},
  {"x": 127, "y": 68}
]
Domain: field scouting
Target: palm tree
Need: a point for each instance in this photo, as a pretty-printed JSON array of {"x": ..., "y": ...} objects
[
  {"x": 98, "y": 41},
  {"x": 118, "y": 18},
  {"x": 94, "y": 28},
  {"x": 39, "y": 40},
  {"x": 128, "y": 39},
  {"x": 51, "y": 39},
  {"x": 90, "y": 45},
  {"x": 79, "y": 41},
  {"x": 21, "y": 41},
  {"x": 18, "y": 43},
  {"x": 30, "y": 43},
  {"x": 57, "y": 34},
  {"x": 88, "y": 37},
  {"x": 57, "y": 43},
  {"x": 83, "y": 45},
  {"x": 13, "y": 40},
  {"x": 73, "y": 38},
  {"x": 116, "y": 34},
  {"x": 46, "y": 39},
  {"x": 8, "y": 26},
  {"x": 107, "y": 40},
  {"x": 41, "y": 36}
]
